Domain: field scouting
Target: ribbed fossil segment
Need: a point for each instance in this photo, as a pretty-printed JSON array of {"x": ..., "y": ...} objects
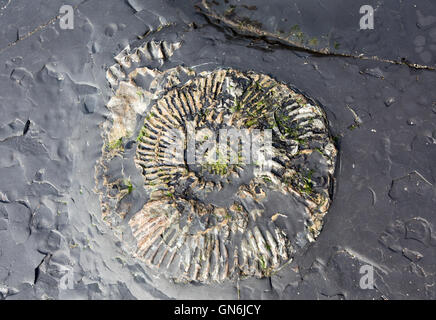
[
  {"x": 150, "y": 51},
  {"x": 191, "y": 209},
  {"x": 219, "y": 219}
]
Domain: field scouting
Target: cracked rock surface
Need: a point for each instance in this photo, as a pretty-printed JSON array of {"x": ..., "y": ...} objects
[{"x": 54, "y": 94}]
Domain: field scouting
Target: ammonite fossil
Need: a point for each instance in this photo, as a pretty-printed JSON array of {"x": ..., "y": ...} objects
[{"x": 218, "y": 219}]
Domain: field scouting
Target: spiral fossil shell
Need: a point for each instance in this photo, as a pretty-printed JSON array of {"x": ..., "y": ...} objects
[{"x": 217, "y": 221}]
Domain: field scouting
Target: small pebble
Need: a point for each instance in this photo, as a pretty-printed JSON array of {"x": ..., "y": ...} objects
[
  {"x": 411, "y": 122},
  {"x": 375, "y": 72},
  {"x": 389, "y": 101}
]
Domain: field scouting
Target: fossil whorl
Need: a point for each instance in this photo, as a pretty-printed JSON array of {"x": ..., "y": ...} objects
[{"x": 215, "y": 220}]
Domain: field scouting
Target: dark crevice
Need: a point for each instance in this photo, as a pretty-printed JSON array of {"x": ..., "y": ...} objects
[
  {"x": 37, "y": 269},
  {"x": 26, "y": 127}
]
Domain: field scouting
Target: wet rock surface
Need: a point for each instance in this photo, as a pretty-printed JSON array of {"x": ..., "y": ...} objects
[{"x": 54, "y": 93}]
